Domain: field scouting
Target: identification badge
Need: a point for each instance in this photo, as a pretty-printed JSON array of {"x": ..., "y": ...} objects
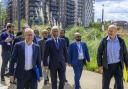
[{"x": 81, "y": 57}]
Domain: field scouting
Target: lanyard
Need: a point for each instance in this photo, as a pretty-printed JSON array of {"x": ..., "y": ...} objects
[{"x": 79, "y": 48}]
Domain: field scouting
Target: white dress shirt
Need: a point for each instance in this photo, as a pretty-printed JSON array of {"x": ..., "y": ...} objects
[
  {"x": 28, "y": 56},
  {"x": 80, "y": 51}
]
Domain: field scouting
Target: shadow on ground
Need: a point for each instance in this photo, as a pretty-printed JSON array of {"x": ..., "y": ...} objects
[{"x": 67, "y": 86}]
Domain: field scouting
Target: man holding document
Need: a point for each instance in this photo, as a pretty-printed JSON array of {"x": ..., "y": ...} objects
[{"x": 27, "y": 57}]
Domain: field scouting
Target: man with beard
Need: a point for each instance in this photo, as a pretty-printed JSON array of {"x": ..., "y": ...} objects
[
  {"x": 78, "y": 55},
  {"x": 7, "y": 38}
]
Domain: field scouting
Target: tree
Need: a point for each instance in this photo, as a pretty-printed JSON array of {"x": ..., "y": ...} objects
[{"x": 3, "y": 15}]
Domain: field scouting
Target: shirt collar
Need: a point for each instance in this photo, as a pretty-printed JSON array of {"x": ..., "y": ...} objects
[
  {"x": 55, "y": 38},
  {"x": 27, "y": 44},
  {"x": 115, "y": 39},
  {"x": 78, "y": 42}
]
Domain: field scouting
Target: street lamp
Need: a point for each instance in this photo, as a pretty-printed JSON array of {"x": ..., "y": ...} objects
[
  {"x": 1, "y": 14},
  {"x": 102, "y": 23},
  {"x": 18, "y": 12}
]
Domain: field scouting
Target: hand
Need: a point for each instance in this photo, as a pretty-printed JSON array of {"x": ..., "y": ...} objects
[
  {"x": 12, "y": 79},
  {"x": 8, "y": 39},
  {"x": 101, "y": 69},
  {"x": 46, "y": 69}
]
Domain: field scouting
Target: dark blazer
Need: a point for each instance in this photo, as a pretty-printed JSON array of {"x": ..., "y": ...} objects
[
  {"x": 57, "y": 56},
  {"x": 66, "y": 40},
  {"x": 5, "y": 46},
  {"x": 18, "y": 57},
  {"x": 102, "y": 53},
  {"x": 73, "y": 53},
  {"x": 42, "y": 47}
]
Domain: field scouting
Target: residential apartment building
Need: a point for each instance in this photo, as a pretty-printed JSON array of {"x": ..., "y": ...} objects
[
  {"x": 28, "y": 9},
  {"x": 84, "y": 12},
  {"x": 53, "y": 12}
]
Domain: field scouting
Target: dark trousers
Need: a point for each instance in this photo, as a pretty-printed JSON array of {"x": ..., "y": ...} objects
[
  {"x": 27, "y": 81},
  {"x": 5, "y": 59},
  {"x": 78, "y": 68},
  {"x": 113, "y": 70},
  {"x": 61, "y": 74}
]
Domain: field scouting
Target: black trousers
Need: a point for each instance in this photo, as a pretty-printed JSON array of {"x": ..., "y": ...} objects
[
  {"x": 27, "y": 81},
  {"x": 61, "y": 74},
  {"x": 113, "y": 70},
  {"x": 5, "y": 59}
]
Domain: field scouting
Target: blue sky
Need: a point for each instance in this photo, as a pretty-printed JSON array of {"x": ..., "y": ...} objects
[{"x": 114, "y": 9}]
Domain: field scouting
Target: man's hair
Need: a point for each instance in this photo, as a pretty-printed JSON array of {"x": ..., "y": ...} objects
[
  {"x": 44, "y": 31},
  {"x": 62, "y": 30},
  {"x": 29, "y": 30},
  {"x": 112, "y": 26},
  {"x": 9, "y": 25}
]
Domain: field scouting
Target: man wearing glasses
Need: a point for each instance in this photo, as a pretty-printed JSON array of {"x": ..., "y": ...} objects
[{"x": 78, "y": 54}]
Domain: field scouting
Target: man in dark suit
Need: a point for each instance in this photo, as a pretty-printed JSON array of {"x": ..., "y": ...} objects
[
  {"x": 111, "y": 56},
  {"x": 62, "y": 35},
  {"x": 42, "y": 47},
  {"x": 78, "y": 55},
  {"x": 26, "y": 56},
  {"x": 57, "y": 51},
  {"x": 6, "y": 41}
]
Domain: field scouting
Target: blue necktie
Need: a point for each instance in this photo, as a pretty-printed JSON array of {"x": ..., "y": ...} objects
[{"x": 57, "y": 44}]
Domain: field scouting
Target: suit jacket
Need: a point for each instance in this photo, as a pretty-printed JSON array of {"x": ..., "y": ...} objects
[
  {"x": 18, "y": 57},
  {"x": 5, "y": 46},
  {"x": 42, "y": 47},
  {"x": 57, "y": 56},
  {"x": 73, "y": 53},
  {"x": 66, "y": 40},
  {"x": 102, "y": 53}
]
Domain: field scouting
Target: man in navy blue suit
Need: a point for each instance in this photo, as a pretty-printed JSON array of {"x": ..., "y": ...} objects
[
  {"x": 78, "y": 55},
  {"x": 6, "y": 41},
  {"x": 26, "y": 56},
  {"x": 57, "y": 51}
]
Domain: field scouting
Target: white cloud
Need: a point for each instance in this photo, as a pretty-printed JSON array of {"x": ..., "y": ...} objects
[{"x": 113, "y": 9}]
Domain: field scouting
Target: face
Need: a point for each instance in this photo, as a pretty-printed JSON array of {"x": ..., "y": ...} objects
[
  {"x": 49, "y": 30},
  {"x": 62, "y": 33},
  {"x": 45, "y": 34},
  {"x": 112, "y": 32},
  {"x": 77, "y": 37},
  {"x": 29, "y": 37},
  {"x": 55, "y": 33}
]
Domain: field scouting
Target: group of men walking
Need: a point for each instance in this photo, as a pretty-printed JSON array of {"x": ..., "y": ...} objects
[{"x": 29, "y": 54}]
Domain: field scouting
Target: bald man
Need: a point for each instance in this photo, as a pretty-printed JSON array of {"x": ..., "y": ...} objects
[
  {"x": 26, "y": 55},
  {"x": 78, "y": 55},
  {"x": 111, "y": 56}
]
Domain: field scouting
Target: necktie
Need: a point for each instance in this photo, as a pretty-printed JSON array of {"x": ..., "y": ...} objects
[{"x": 57, "y": 44}]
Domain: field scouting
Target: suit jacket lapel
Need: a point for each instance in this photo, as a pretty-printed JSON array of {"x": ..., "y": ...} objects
[
  {"x": 59, "y": 43},
  {"x": 23, "y": 48},
  {"x": 33, "y": 49},
  {"x": 76, "y": 47},
  {"x": 54, "y": 44}
]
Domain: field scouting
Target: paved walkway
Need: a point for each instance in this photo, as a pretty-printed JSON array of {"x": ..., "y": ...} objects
[{"x": 89, "y": 80}]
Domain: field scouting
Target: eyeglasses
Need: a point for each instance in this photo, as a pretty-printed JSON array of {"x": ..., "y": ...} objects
[
  {"x": 29, "y": 34},
  {"x": 78, "y": 36}
]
